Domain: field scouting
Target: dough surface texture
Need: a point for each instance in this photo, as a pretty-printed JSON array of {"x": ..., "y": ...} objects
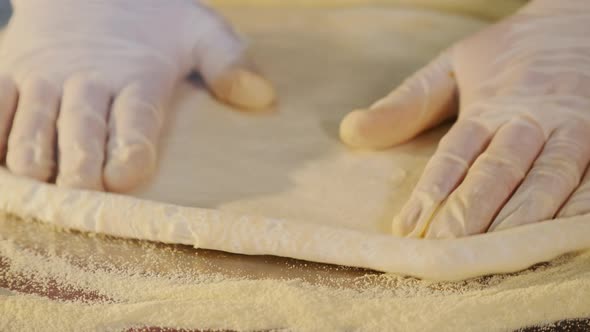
[{"x": 281, "y": 183}]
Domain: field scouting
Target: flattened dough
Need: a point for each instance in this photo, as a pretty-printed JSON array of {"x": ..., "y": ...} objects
[{"x": 315, "y": 199}]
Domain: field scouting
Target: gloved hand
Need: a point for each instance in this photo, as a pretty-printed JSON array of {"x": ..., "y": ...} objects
[
  {"x": 521, "y": 145},
  {"x": 82, "y": 83}
]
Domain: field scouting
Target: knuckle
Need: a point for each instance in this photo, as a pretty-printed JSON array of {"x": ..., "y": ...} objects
[
  {"x": 552, "y": 179},
  {"x": 83, "y": 83},
  {"x": 498, "y": 167},
  {"x": 38, "y": 85},
  {"x": 136, "y": 150},
  {"x": 21, "y": 162},
  {"x": 572, "y": 133},
  {"x": 529, "y": 126},
  {"x": 559, "y": 161},
  {"x": 448, "y": 159},
  {"x": 464, "y": 131},
  {"x": 77, "y": 81}
]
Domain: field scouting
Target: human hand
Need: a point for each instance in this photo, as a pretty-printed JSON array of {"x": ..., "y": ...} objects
[
  {"x": 521, "y": 145},
  {"x": 83, "y": 83}
]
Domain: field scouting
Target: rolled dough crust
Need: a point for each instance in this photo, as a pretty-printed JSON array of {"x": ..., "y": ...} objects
[{"x": 221, "y": 172}]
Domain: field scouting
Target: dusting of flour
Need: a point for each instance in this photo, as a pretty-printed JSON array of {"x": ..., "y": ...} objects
[{"x": 62, "y": 281}]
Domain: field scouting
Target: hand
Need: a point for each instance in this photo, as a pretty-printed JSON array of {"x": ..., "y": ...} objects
[
  {"x": 93, "y": 76},
  {"x": 521, "y": 145}
]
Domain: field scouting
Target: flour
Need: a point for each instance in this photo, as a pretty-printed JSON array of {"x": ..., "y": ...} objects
[{"x": 71, "y": 282}]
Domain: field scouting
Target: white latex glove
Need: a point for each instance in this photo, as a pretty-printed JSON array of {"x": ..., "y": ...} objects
[
  {"x": 82, "y": 84},
  {"x": 521, "y": 145}
]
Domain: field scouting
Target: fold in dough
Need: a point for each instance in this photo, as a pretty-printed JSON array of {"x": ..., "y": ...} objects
[{"x": 326, "y": 203}]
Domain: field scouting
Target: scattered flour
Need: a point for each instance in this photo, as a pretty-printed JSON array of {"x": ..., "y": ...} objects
[{"x": 67, "y": 281}]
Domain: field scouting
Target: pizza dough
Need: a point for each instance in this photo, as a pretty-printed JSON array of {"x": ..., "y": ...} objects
[
  {"x": 280, "y": 183},
  {"x": 479, "y": 8}
]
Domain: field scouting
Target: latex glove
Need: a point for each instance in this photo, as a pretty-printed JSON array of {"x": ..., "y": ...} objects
[
  {"x": 91, "y": 78},
  {"x": 521, "y": 144}
]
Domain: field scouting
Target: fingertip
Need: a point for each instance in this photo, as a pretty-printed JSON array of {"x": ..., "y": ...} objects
[
  {"x": 443, "y": 228},
  {"x": 399, "y": 227},
  {"x": 22, "y": 162},
  {"x": 431, "y": 235},
  {"x": 116, "y": 179},
  {"x": 499, "y": 227},
  {"x": 245, "y": 89},
  {"x": 354, "y": 131},
  {"x": 121, "y": 178},
  {"x": 365, "y": 129},
  {"x": 128, "y": 166}
]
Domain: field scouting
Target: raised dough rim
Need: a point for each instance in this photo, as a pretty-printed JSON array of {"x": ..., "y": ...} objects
[{"x": 129, "y": 217}]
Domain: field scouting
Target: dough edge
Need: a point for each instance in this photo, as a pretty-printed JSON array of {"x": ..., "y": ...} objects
[{"x": 441, "y": 260}]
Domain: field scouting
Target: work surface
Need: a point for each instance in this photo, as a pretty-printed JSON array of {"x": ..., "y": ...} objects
[
  {"x": 70, "y": 267},
  {"x": 97, "y": 282}
]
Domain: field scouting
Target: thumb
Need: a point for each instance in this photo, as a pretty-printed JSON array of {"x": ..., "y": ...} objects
[
  {"x": 220, "y": 58},
  {"x": 422, "y": 101}
]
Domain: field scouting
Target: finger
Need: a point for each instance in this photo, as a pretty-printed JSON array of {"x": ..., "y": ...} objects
[
  {"x": 554, "y": 176},
  {"x": 134, "y": 128},
  {"x": 579, "y": 202},
  {"x": 443, "y": 173},
  {"x": 82, "y": 133},
  {"x": 8, "y": 98},
  {"x": 31, "y": 142},
  {"x": 421, "y": 102},
  {"x": 220, "y": 58},
  {"x": 490, "y": 181}
]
